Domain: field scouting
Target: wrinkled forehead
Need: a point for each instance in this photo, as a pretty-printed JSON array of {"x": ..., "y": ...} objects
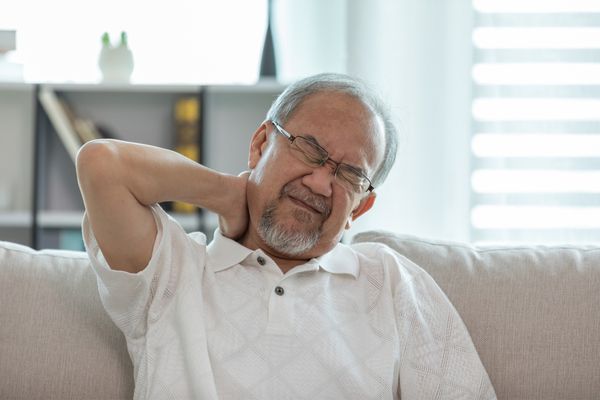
[{"x": 342, "y": 124}]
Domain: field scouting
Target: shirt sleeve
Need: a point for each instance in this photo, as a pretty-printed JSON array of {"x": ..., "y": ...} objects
[
  {"x": 438, "y": 359},
  {"x": 134, "y": 301}
]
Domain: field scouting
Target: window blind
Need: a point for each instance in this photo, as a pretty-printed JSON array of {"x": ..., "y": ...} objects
[{"x": 536, "y": 121}]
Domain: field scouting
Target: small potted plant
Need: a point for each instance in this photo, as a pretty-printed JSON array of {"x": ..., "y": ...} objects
[{"x": 115, "y": 62}]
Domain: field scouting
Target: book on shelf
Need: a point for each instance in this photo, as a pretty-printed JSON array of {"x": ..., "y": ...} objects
[
  {"x": 187, "y": 137},
  {"x": 72, "y": 130},
  {"x": 60, "y": 121}
]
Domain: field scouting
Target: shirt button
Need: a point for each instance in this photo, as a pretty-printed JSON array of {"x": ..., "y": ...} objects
[
  {"x": 279, "y": 291},
  {"x": 261, "y": 260}
]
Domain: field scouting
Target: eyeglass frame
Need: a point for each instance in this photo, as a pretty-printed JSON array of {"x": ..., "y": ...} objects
[{"x": 337, "y": 164}]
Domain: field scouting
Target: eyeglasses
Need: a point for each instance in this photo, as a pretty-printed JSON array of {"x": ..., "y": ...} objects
[{"x": 308, "y": 151}]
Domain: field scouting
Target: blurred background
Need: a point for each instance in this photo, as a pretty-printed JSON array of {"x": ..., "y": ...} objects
[{"x": 497, "y": 103}]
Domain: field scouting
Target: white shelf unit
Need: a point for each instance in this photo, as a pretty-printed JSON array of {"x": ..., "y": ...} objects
[
  {"x": 17, "y": 108},
  {"x": 73, "y": 219},
  {"x": 120, "y": 88},
  {"x": 15, "y": 219},
  {"x": 135, "y": 112},
  {"x": 16, "y": 86}
]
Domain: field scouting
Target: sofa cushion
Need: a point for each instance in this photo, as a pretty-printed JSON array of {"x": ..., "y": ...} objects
[
  {"x": 533, "y": 311},
  {"x": 56, "y": 341}
]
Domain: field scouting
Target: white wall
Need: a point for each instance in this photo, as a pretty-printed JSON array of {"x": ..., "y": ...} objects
[
  {"x": 309, "y": 37},
  {"x": 418, "y": 54}
]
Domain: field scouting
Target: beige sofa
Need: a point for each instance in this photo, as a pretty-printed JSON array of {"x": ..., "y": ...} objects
[{"x": 533, "y": 313}]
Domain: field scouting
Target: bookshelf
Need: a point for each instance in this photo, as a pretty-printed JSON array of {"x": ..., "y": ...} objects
[
  {"x": 17, "y": 107},
  {"x": 45, "y": 208}
]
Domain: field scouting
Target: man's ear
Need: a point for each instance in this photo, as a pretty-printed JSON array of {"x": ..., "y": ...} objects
[
  {"x": 362, "y": 207},
  {"x": 257, "y": 145}
]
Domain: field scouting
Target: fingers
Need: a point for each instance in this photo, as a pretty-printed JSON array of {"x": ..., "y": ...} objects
[{"x": 233, "y": 220}]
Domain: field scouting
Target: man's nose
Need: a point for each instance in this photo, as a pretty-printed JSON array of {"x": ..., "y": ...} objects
[{"x": 320, "y": 181}]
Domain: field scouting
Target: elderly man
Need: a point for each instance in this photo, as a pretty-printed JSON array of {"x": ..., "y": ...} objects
[{"x": 275, "y": 307}]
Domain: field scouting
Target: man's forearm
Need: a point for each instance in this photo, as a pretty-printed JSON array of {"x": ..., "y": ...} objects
[
  {"x": 119, "y": 180},
  {"x": 153, "y": 175}
]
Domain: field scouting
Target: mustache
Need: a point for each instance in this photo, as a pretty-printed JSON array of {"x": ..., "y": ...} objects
[{"x": 316, "y": 201}]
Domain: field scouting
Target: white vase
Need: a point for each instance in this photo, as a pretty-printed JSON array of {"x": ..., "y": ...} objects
[{"x": 116, "y": 64}]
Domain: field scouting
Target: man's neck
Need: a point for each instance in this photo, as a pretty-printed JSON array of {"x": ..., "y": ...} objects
[{"x": 285, "y": 264}]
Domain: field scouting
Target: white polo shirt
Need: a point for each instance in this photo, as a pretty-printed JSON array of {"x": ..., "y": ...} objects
[{"x": 223, "y": 322}]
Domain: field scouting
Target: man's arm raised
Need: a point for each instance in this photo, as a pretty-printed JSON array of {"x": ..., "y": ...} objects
[{"x": 120, "y": 180}]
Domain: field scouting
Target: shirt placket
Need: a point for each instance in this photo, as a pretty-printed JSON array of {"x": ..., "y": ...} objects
[{"x": 282, "y": 296}]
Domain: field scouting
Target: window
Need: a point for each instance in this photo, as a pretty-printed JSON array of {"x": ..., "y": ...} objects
[
  {"x": 536, "y": 121},
  {"x": 178, "y": 41}
]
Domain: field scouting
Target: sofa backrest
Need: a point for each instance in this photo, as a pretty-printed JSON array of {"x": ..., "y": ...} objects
[
  {"x": 533, "y": 312},
  {"x": 56, "y": 341}
]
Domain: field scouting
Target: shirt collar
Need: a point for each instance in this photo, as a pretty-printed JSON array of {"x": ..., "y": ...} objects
[
  {"x": 340, "y": 260},
  {"x": 224, "y": 253}
]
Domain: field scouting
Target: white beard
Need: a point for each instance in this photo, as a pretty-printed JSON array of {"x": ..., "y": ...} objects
[{"x": 286, "y": 241}]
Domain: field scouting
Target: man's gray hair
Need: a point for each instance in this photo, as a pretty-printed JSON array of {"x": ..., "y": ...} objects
[{"x": 284, "y": 106}]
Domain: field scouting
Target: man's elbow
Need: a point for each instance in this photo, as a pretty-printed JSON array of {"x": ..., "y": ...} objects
[{"x": 97, "y": 163}]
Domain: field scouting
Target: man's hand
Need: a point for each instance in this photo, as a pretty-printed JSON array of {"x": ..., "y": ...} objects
[{"x": 233, "y": 221}]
